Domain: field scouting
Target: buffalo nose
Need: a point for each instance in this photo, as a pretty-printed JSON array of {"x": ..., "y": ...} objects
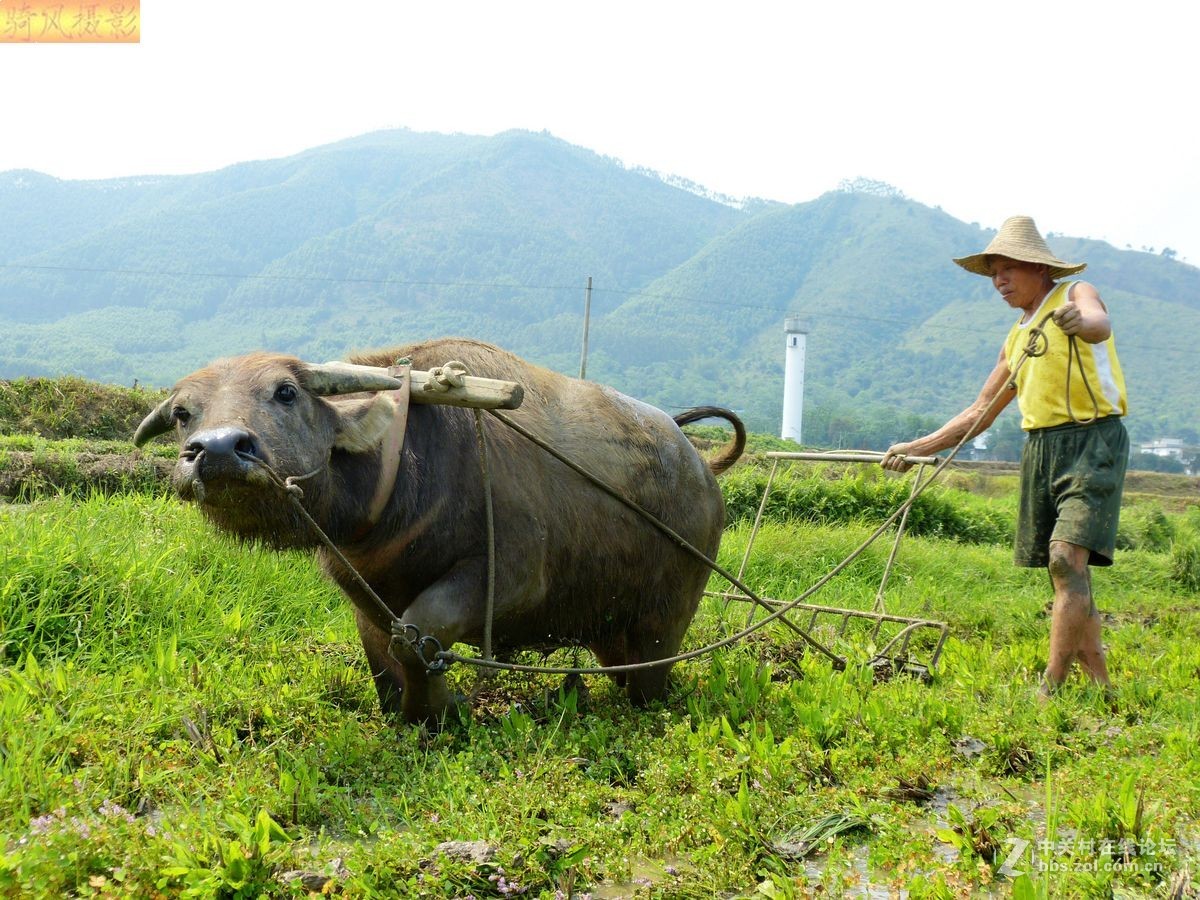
[{"x": 221, "y": 444}]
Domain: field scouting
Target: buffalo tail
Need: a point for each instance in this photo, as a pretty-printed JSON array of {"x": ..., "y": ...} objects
[{"x": 733, "y": 450}]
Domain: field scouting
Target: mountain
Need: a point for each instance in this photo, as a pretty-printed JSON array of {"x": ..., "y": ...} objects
[
  {"x": 393, "y": 236},
  {"x": 897, "y": 333},
  {"x": 397, "y": 236}
]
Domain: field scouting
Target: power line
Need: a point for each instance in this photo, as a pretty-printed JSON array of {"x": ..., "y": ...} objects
[
  {"x": 385, "y": 282},
  {"x": 890, "y": 320},
  {"x": 261, "y": 276},
  {"x": 399, "y": 282}
]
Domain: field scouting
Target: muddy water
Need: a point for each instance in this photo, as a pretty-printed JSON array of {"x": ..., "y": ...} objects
[
  {"x": 967, "y": 792},
  {"x": 644, "y": 873},
  {"x": 816, "y": 870}
]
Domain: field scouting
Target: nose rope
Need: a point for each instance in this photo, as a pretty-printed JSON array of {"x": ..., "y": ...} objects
[
  {"x": 289, "y": 484},
  {"x": 296, "y": 494}
]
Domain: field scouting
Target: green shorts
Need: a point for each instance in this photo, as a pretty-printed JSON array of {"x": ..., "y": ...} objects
[{"x": 1071, "y": 481}]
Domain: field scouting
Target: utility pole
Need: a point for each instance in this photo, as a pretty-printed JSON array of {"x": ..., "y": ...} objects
[{"x": 587, "y": 316}]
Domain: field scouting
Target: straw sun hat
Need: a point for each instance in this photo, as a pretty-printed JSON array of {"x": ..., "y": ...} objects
[{"x": 1018, "y": 238}]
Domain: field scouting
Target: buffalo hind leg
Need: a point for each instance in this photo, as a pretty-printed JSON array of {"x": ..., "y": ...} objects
[
  {"x": 650, "y": 684},
  {"x": 386, "y": 672},
  {"x": 612, "y": 652}
]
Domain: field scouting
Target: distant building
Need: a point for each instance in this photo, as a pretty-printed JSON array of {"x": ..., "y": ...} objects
[
  {"x": 1171, "y": 448},
  {"x": 978, "y": 447}
]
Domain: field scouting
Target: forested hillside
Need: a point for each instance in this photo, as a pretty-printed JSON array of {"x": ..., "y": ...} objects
[
  {"x": 398, "y": 236},
  {"x": 899, "y": 337},
  {"x": 393, "y": 236}
]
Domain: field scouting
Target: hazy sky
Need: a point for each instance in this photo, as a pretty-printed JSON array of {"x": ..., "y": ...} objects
[{"x": 1080, "y": 114}]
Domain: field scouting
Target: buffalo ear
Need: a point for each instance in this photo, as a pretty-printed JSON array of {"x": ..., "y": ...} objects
[
  {"x": 158, "y": 422},
  {"x": 362, "y": 424}
]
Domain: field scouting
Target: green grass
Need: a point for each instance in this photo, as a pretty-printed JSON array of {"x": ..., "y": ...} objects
[
  {"x": 834, "y": 494},
  {"x": 71, "y": 407},
  {"x": 182, "y": 715},
  {"x": 31, "y": 443}
]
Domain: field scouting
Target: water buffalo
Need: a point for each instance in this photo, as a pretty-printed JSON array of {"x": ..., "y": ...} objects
[{"x": 573, "y": 566}]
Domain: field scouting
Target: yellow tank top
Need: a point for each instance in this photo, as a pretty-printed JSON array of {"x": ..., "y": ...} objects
[{"x": 1042, "y": 380}]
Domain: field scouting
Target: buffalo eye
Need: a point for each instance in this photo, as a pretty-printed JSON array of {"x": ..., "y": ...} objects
[
  {"x": 286, "y": 393},
  {"x": 180, "y": 415}
]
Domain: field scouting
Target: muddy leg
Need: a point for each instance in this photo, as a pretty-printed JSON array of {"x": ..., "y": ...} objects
[
  {"x": 1074, "y": 621},
  {"x": 612, "y": 652},
  {"x": 426, "y": 699}
]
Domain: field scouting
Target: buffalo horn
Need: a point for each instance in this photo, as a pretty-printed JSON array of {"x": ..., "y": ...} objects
[
  {"x": 158, "y": 422},
  {"x": 327, "y": 379}
]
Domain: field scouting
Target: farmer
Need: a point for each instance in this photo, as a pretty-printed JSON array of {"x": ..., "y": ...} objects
[{"x": 1071, "y": 396}]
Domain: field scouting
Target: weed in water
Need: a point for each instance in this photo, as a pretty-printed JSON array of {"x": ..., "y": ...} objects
[
  {"x": 1010, "y": 755},
  {"x": 981, "y": 834},
  {"x": 805, "y": 840},
  {"x": 919, "y": 790}
]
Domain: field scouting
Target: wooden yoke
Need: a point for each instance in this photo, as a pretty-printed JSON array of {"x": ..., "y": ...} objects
[
  {"x": 442, "y": 385},
  {"x": 448, "y": 385}
]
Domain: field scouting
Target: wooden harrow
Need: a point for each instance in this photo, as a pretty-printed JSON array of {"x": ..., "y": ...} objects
[{"x": 899, "y": 652}]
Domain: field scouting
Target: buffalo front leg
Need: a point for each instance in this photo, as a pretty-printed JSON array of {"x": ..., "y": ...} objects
[
  {"x": 449, "y": 610},
  {"x": 386, "y": 671},
  {"x": 426, "y": 699}
]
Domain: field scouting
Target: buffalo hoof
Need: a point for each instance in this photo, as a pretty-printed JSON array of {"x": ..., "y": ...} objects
[{"x": 455, "y": 713}]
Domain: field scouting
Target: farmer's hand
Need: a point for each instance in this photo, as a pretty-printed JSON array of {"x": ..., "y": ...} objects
[
  {"x": 1068, "y": 318},
  {"x": 893, "y": 460}
]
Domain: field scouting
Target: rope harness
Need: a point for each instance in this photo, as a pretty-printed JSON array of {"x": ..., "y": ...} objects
[
  {"x": 437, "y": 659},
  {"x": 1033, "y": 348}
]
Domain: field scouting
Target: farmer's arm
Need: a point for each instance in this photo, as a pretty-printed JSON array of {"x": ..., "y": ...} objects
[
  {"x": 1084, "y": 314},
  {"x": 967, "y": 421}
]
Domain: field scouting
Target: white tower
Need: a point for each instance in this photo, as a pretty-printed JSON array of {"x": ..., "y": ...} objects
[{"x": 796, "y": 330}]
